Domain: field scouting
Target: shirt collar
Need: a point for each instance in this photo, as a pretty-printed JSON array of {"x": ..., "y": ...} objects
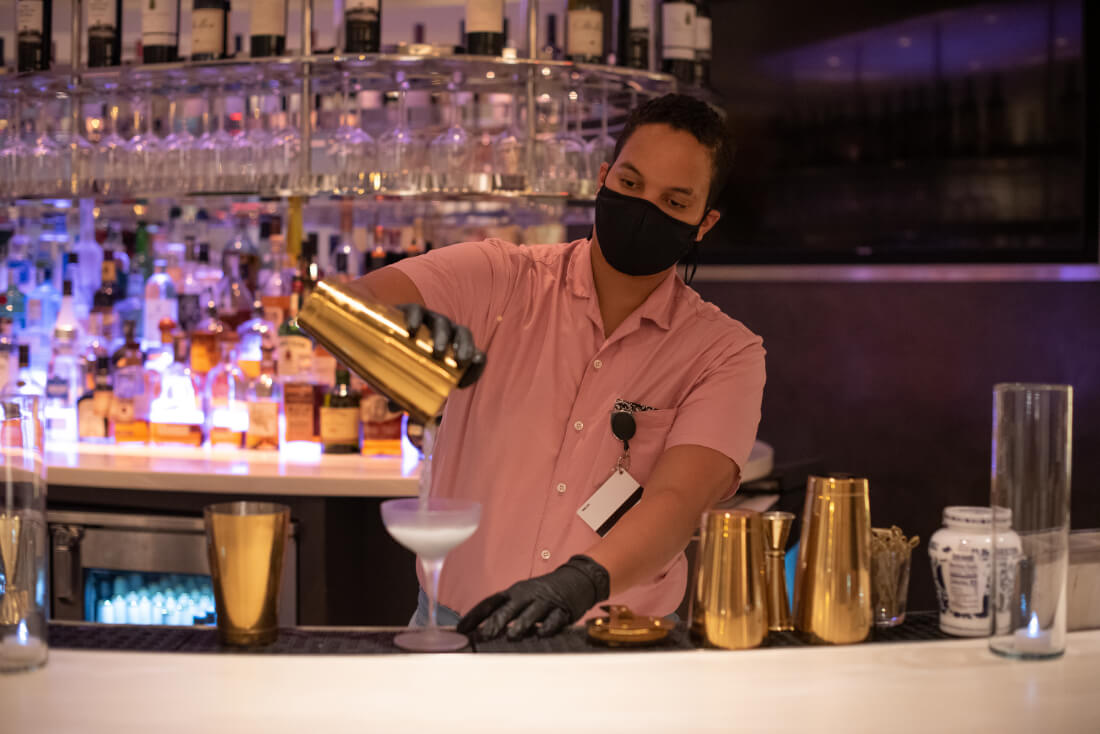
[{"x": 658, "y": 307}]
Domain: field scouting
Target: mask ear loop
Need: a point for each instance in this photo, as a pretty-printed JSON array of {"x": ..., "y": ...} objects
[{"x": 692, "y": 262}]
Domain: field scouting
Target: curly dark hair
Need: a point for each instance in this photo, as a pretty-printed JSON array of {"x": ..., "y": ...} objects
[{"x": 681, "y": 112}]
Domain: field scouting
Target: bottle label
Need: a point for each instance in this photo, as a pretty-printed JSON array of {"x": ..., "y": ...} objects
[
  {"x": 324, "y": 368},
  {"x": 108, "y": 271},
  {"x": 585, "y": 33},
  {"x": 295, "y": 355},
  {"x": 34, "y": 312},
  {"x": 158, "y": 22},
  {"x": 207, "y": 31},
  {"x": 226, "y": 437},
  {"x": 102, "y": 22},
  {"x": 28, "y": 19},
  {"x": 90, "y": 424},
  {"x": 484, "y": 16},
  {"x": 361, "y": 9},
  {"x": 188, "y": 434},
  {"x": 639, "y": 14},
  {"x": 202, "y": 354},
  {"x": 678, "y": 29},
  {"x": 157, "y": 309},
  {"x": 702, "y": 34},
  {"x": 263, "y": 425},
  {"x": 268, "y": 17},
  {"x": 340, "y": 425},
  {"x": 275, "y": 308},
  {"x": 57, "y": 388},
  {"x": 101, "y": 402},
  {"x": 298, "y": 409},
  {"x": 131, "y": 431},
  {"x": 5, "y": 367}
]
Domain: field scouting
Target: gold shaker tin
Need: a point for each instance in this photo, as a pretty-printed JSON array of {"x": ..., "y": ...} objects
[{"x": 728, "y": 602}]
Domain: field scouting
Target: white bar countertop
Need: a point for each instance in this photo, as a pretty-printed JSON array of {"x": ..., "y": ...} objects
[
  {"x": 287, "y": 472},
  {"x": 919, "y": 687}
]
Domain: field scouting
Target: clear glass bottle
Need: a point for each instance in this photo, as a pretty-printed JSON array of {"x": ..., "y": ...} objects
[
  {"x": 205, "y": 339},
  {"x": 94, "y": 406},
  {"x": 129, "y": 351},
  {"x": 160, "y": 303},
  {"x": 248, "y": 257},
  {"x": 64, "y": 385},
  {"x": 265, "y": 396},
  {"x": 41, "y": 309},
  {"x": 233, "y": 296},
  {"x": 176, "y": 415},
  {"x": 256, "y": 335},
  {"x": 131, "y": 398},
  {"x": 225, "y": 400},
  {"x": 340, "y": 417}
]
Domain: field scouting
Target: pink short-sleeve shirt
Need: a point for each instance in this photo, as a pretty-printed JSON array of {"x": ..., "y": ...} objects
[{"x": 532, "y": 441}]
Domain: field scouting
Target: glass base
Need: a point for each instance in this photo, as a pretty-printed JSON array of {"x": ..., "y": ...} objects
[
  {"x": 431, "y": 640},
  {"x": 1014, "y": 654},
  {"x": 890, "y": 621}
]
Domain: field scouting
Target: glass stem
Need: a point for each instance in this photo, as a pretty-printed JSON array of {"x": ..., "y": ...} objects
[
  {"x": 432, "y": 569},
  {"x": 172, "y": 116}
]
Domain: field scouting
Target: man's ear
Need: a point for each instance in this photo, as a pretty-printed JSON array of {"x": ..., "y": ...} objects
[
  {"x": 709, "y": 220},
  {"x": 604, "y": 168}
]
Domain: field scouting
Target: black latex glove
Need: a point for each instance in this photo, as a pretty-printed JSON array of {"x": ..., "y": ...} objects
[
  {"x": 444, "y": 334},
  {"x": 553, "y": 601}
]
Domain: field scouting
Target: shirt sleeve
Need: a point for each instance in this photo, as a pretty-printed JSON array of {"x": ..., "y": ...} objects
[
  {"x": 469, "y": 283},
  {"x": 722, "y": 410}
]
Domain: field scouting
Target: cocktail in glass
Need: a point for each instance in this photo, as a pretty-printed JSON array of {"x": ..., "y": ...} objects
[{"x": 431, "y": 528}]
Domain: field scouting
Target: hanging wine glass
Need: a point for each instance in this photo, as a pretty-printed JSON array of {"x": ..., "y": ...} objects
[
  {"x": 13, "y": 153},
  {"x": 601, "y": 148},
  {"x": 45, "y": 170},
  {"x": 450, "y": 152},
  {"x": 214, "y": 145},
  {"x": 357, "y": 152},
  {"x": 510, "y": 152},
  {"x": 143, "y": 150},
  {"x": 400, "y": 156},
  {"x": 178, "y": 146},
  {"x": 110, "y": 155},
  {"x": 285, "y": 145},
  {"x": 576, "y": 175},
  {"x": 79, "y": 166}
]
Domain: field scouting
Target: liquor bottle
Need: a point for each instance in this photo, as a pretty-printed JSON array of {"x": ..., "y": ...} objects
[
  {"x": 9, "y": 357},
  {"x": 128, "y": 420},
  {"x": 209, "y": 29},
  {"x": 205, "y": 339},
  {"x": 265, "y": 395},
  {"x": 83, "y": 268},
  {"x": 161, "y": 354},
  {"x": 200, "y": 279},
  {"x": 103, "y": 302},
  {"x": 115, "y": 249},
  {"x": 33, "y": 23},
  {"x": 584, "y": 32},
  {"x": 340, "y": 417},
  {"x": 104, "y": 32},
  {"x": 485, "y": 27},
  {"x": 362, "y": 27},
  {"x": 242, "y": 246},
  {"x": 678, "y": 39},
  {"x": 160, "y": 30},
  {"x": 94, "y": 406},
  {"x": 275, "y": 291},
  {"x": 634, "y": 21},
  {"x": 97, "y": 345},
  {"x": 255, "y": 335},
  {"x": 381, "y": 426},
  {"x": 160, "y": 303},
  {"x": 702, "y": 44},
  {"x": 268, "y": 31},
  {"x": 64, "y": 382},
  {"x": 233, "y": 296},
  {"x": 225, "y": 403},
  {"x": 295, "y": 356},
  {"x": 41, "y": 306},
  {"x": 14, "y": 305},
  {"x": 176, "y": 416},
  {"x": 551, "y": 51},
  {"x": 23, "y": 381}
]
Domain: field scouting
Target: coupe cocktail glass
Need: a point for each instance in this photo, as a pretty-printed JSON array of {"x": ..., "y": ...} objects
[{"x": 431, "y": 528}]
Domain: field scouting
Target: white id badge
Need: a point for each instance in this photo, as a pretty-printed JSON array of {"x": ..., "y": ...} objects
[{"x": 610, "y": 502}]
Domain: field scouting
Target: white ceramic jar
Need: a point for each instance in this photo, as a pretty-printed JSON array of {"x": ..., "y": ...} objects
[{"x": 962, "y": 568}]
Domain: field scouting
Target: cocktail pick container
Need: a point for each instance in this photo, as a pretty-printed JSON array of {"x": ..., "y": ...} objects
[
  {"x": 832, "y": 592},
  {"x": 777, "y": 527},
  {"x": 371, "y": 339}
]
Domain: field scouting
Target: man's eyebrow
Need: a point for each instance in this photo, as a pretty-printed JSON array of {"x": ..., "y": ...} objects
[{"x": 685, "y": 190}]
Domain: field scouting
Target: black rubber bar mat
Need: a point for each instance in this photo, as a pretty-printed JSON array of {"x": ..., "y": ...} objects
[{"x": 918, "y": 626}]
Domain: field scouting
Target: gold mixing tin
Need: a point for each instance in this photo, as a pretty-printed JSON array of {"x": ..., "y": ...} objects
[{"x": 622, "y": 628}]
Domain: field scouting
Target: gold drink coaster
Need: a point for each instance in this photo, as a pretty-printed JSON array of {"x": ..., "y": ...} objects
[{"x": 622, "y": 628}]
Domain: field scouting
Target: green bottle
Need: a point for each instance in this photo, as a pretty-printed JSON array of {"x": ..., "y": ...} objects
[{"x": 340, "y": 416}]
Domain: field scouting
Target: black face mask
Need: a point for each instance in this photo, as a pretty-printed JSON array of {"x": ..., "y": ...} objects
[{"x": 636, "y": 237}]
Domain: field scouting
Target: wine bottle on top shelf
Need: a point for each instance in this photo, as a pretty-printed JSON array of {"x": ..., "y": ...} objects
[
  {"x": 485, "y": 27},
  {"x": 362, "y": 26},
  {"x": 160, "y": 30},
  {"x": 551, "y": 50},
  {"x": 209, "y": 30},
  {"x": 268, "y": 31},
  {"x": 104, "y": 32},
  {"x": 634, "y": 22},
  {"x": 584, "y": 32},
  {"x": 678, "y": 39},
  {"x": 701, "y": 77},
  {"x": 33, "y": 34}
]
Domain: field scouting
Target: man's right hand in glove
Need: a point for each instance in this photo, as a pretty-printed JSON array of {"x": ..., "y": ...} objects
[{"x": 445, "y": 333}]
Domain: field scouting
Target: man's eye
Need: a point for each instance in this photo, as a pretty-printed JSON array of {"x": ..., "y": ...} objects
[
  {"x": 627, "y": 183},
  {"x": 676, "y": 205}
]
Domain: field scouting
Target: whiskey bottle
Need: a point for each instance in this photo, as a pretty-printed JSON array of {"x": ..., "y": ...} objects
[
  {"x": 340, "y": 417},
  {"x": 265, "y": 394}
]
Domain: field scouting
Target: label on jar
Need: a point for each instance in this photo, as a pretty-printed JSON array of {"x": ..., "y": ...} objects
[
  {"x": 966, "y": 584},
  {"x": 298, "y": 409},
  {"x": 585, "y": 34},
  {"x": 263, "y": 425},
  {"x": 485, "y": 16},
  {"x": 207, "y": 31},
  {"x": 269, "y": 17},
  {"x": 678, "y": 29},
  {"x": 158, "y": 22},
  {"x": 340, "y": 425}
]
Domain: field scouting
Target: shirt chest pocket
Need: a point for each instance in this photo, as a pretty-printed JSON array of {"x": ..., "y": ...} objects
[{"x": 652, "y": 427}]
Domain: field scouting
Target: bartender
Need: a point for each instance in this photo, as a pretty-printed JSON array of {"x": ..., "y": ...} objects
[{"x": 614, "y": 404}]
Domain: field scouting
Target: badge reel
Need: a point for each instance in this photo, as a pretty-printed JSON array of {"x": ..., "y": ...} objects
[{"x": 621, "y": 491}]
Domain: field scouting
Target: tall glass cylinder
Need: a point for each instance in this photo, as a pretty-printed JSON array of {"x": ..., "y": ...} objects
[
  {"x": 1032, "y": 436},
  {"x": 24, "y": 591}
]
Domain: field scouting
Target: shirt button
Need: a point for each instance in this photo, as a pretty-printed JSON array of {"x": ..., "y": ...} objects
[
  {"x": 545, "y": 555},
  {"x": 561, "y": 488},
  {"x": 578, "y": 425},
  {"x": 597, "y": 364}
]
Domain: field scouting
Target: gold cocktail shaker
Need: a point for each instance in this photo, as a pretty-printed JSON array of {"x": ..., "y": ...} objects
[
  {"x": 728, "y": 604},
  {"x": 832, "y": 588},
  {"x": 371, "y": 339}
]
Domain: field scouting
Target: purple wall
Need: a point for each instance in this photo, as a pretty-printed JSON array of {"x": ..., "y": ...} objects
[{"x": 893, "y": 381}]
